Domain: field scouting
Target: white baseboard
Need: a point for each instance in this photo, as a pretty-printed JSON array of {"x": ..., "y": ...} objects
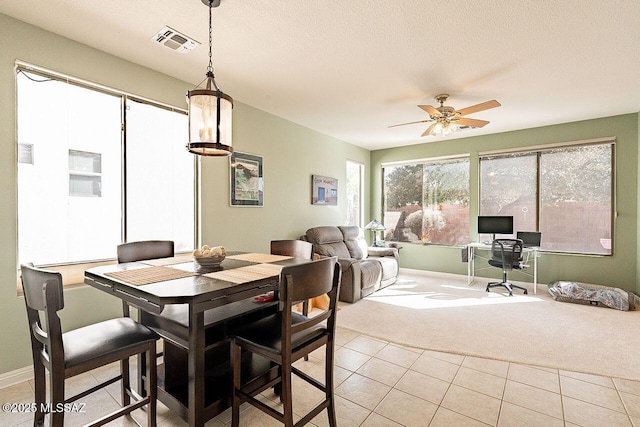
[
  {"x": 417, "y": 272},
  {"x": 14, "y": 377},
  {"x": 478, "y": 279}
]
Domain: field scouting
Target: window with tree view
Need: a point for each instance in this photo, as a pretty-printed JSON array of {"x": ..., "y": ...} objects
[
  {"x": 427, "y": 202},
  {"x": 566, "y": 193}
]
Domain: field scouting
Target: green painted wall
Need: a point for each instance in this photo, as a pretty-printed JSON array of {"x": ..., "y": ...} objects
[
  {"x": 618, "y": 270},
  {"x": 291, "y": 153}
]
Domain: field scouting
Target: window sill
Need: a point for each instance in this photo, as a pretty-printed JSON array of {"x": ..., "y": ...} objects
[{"x": 72, "y": 274}]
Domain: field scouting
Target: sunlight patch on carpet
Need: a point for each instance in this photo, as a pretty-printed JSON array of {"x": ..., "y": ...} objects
[{"x": 412, "y": 295}]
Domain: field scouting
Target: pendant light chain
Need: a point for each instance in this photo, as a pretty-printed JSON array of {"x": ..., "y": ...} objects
[{"x": 210, "y": 68}]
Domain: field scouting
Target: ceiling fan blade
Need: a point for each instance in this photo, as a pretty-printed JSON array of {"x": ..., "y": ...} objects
[
  {"x": 431, "y": 110},
  {"x": 429, "y": 129},
  {"x": 410, "y": 123},
  {"x": 479, "y": 107},
  {"x": 474, "y": 123}
]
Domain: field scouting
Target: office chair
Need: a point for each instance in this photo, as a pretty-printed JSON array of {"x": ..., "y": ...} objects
[
  {"x": 285, "y": 337},
  {"x": 507, "y": 255},
  {"x": 65, "y": 355}
]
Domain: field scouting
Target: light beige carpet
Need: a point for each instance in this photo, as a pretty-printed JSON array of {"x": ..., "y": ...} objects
[{"x": 442, "y": 313}]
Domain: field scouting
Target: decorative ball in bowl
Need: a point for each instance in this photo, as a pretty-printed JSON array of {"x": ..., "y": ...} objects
[{"x": 209, "y": 256}]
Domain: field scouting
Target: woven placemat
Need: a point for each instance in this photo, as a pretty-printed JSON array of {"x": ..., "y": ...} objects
[
  {"x": 178, "y": 259},
  {"x": 247, "y": 274},
  {"x": 144, "y": 276},
  {"x": 259, "y": 258}
]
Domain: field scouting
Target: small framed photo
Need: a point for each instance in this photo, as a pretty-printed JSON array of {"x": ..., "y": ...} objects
[
  {"x": 246, "y": 179},
  {"x": 324, "y": 190}
]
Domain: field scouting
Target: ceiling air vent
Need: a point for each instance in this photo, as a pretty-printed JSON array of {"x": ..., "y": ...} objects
[{"x": 175, "y": 40}]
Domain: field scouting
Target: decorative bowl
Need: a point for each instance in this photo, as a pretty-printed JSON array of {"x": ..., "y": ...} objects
[{"x": 209, "y": 261}]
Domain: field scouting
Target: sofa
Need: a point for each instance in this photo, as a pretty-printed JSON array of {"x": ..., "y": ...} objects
[{"x": 364, "y": 269}]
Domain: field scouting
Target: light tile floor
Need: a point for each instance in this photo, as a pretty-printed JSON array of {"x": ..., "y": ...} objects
[{"x": 383, "y": 384}]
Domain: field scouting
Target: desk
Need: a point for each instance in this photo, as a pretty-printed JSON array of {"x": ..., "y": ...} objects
[
  {"x": 191, "y": 308},
  {"x": 472, "y": 247}
]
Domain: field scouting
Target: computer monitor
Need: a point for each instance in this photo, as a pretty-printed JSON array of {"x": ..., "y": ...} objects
[
  {"x": 530, "y": 239},
  {"x": 495, "y": 225}
]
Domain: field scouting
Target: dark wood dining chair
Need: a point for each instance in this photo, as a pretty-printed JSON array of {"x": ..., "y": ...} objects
[
  {"x": 294, "y": 248},
  {"x": 285, "y": 337},
  {"x": 65, "y": 355},
  {"x": 143, "y": 250},
  {"x": 297, "y": 249}
]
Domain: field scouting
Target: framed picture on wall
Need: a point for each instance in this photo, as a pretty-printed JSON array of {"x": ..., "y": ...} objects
[
  {"x": 324, "y": 190},
  {"x": 246, "y": 179}
]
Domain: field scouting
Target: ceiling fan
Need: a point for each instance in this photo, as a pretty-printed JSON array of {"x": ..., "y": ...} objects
[{"x": 445, "y": 119}]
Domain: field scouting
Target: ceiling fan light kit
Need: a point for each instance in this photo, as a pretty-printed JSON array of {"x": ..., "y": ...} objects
[{"x": 447, "y": 119}]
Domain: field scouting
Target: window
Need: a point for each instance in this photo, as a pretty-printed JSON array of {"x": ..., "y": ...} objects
[
  {"x": 77, "y": 198},
  {"x": 427, "y": 202},
  {"x": 565, "y": 192},
  {"x": 355, "y": 184}
]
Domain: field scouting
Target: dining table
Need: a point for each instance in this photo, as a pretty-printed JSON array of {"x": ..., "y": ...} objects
[{"x": 194, "y": 307}]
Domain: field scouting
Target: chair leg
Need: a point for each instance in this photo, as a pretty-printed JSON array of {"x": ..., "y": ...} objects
[
  {"x": 305, "y": 312},
  {"x": 508, "y": 286},
  {"x": 40, "y": 393},
  {"x": 519, "y": 287},
  {"x": 152, "y": 384},
  {"x": 286, "y": 396},
  {"x": 56, "y": 383},
  {"x": 125, "y": 384},
  {"x": 142, "y": 369},
  {"x": 328, "y": 373},
  {"x": 235, "y": 370}
]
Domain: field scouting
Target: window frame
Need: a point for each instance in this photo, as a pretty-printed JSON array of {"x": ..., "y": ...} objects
[
  {"x": 361, "y": 186},
  {"x": 74, "y": 271},
  {"x": 538, "y": 151}
]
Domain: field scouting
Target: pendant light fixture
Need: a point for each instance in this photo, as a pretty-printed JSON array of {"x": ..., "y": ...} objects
[{"x": 209, "y": 112}]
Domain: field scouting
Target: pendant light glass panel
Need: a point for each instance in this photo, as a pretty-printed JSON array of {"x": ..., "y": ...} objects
[{"x": 205, "y": 124}]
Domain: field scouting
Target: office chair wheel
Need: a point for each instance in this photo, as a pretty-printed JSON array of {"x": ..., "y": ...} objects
[{"x": 525, "y": 292}]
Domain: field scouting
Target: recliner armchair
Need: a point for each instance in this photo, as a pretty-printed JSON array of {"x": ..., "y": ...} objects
[{"x": 364, "y": 269}]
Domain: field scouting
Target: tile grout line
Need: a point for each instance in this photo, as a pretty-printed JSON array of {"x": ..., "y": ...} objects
[{"x": 624, "y": 404}]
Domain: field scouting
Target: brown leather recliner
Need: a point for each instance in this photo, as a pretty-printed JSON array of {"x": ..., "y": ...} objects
[{"x": 364, "y": 269}]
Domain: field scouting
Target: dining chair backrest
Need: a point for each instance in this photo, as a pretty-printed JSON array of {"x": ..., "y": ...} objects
[
  {"x": 43, "y": 293},
  {"x": 143, "y": 250},
  {"x": 294, "y": 248},
  {"x": 306, "y": 281}
]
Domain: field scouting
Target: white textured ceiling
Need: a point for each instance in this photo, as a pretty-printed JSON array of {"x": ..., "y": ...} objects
[{"x": 351, "y": 68}]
